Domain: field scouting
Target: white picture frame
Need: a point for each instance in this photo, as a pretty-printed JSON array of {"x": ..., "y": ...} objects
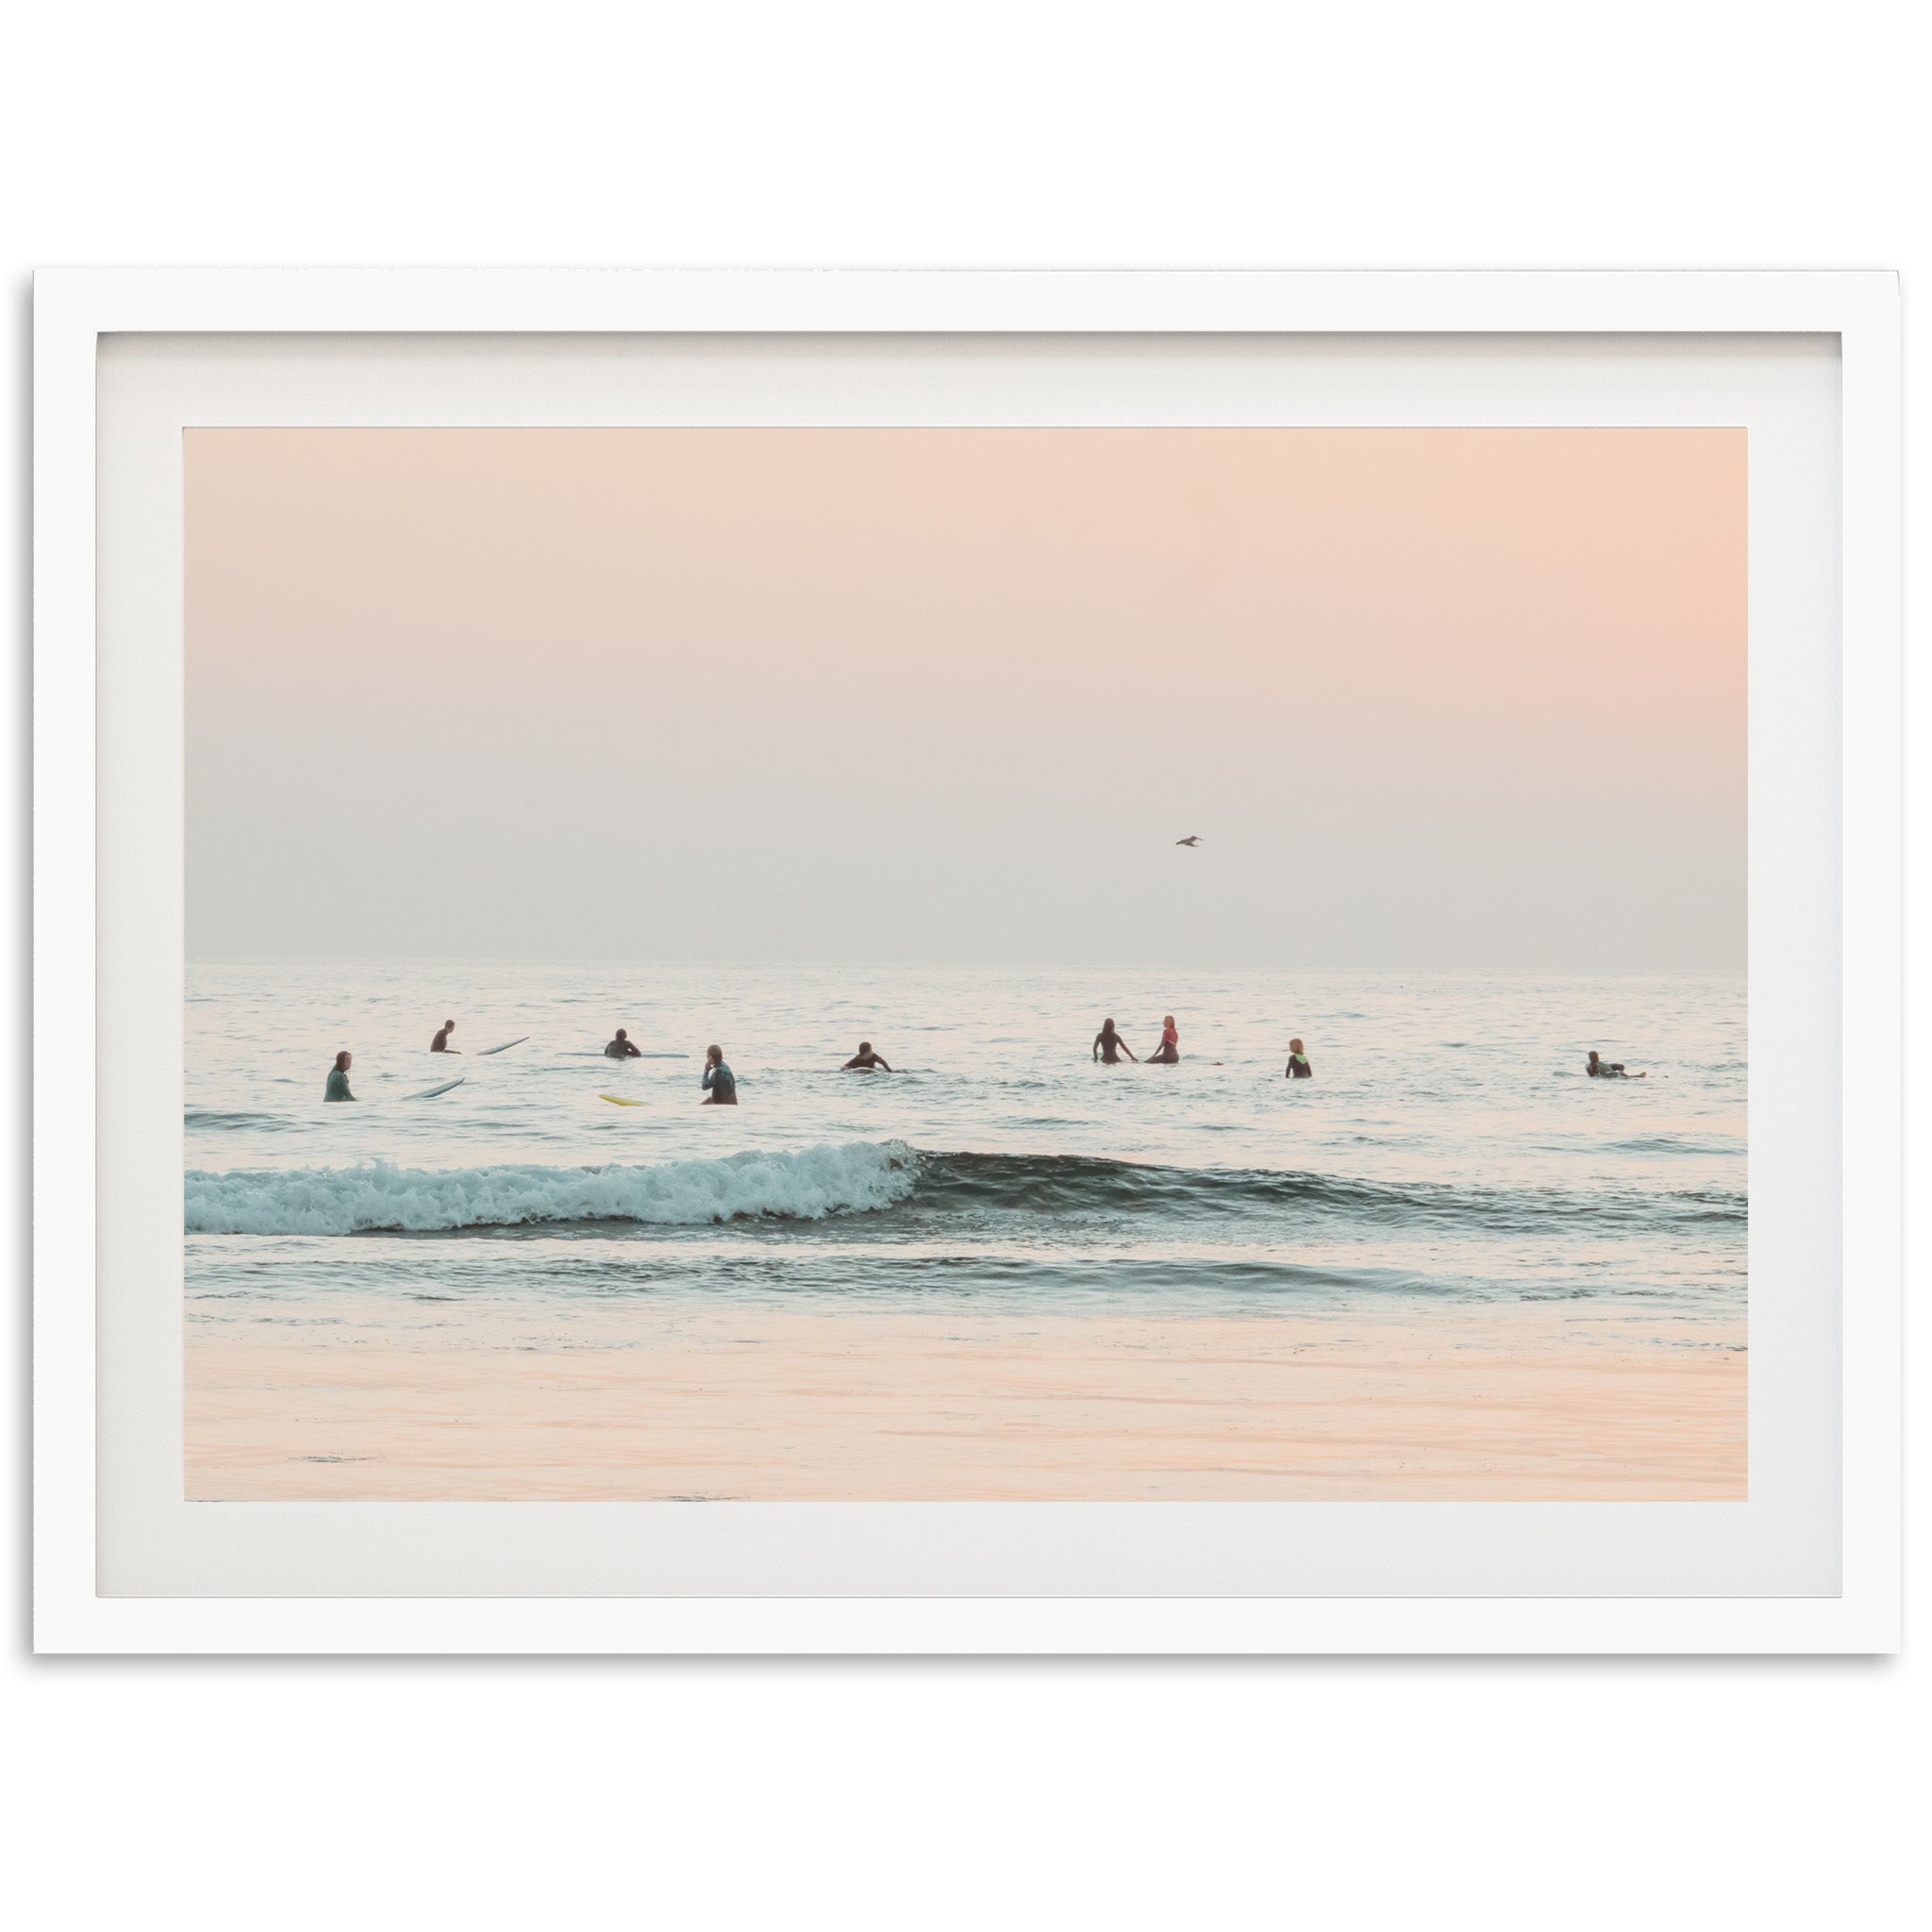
[{"x": 76, "y": 309}]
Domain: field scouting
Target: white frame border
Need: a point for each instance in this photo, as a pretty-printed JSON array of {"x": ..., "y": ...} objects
[{"x": 73, "y": 307}]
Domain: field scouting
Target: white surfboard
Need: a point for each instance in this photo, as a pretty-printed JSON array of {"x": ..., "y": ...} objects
[
  {"x": 430, "y": 1092},
  {"x": 503, "y": 1048},
  {"x": 580, "y": 1052}
]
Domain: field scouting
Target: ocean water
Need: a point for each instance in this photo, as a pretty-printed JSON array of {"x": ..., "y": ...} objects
[{"x": 1450, "y": 1148}]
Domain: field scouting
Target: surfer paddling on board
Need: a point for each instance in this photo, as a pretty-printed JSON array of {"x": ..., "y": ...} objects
[
  {"x": 1609, "y": 1070},
  {"x": 1168, "y": 1054},
  {"x": 721, "y": 1087},
  {"x": 865, "y": 1060},
  {"x": 1298, "y": 1067},
  {"x": 622, "y": 1048},
  {"x": 440, "y": 1044},
  {"x": 1108, "y": 1046},
  {"x": 337, "y": 1088}
]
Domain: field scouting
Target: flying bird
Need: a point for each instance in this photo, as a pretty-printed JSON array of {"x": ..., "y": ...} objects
[{"x": 1193, "y": 839}]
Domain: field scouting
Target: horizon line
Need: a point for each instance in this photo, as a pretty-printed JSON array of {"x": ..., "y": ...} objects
[{"x": 632, "y": 963}]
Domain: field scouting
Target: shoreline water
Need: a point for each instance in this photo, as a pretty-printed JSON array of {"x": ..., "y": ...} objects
[{"x": 1508, "y": 1403}]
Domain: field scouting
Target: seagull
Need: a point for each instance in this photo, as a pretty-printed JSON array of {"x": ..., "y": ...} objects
[{"x": 1193, "y": 839}]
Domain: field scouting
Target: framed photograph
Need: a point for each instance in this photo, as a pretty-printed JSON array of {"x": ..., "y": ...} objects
[{"x": 1148, "y": 962}]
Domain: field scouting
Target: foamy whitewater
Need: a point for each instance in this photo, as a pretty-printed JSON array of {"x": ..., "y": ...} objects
[{"x": 1450, "y": 1146}]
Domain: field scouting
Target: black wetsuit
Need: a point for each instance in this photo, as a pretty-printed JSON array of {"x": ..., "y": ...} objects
[
  {"x": 1298, "y": 1067},
  {"x": 864, "y": 1063},
  {"x": 1607, "y": 1070},
  {"x": 622, "y": 1050}
]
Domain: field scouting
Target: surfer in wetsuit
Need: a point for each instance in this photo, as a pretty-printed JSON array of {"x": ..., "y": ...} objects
[
  {"x": 721, "y": 1087},
  {"x": 1168, "y": 1054},
  {"x": 1108, "y": 1046},
  {"x": 440, "y": 1044},
  {"x": 864, "y": 1061},
  {"x": 622, "y": 1048},
  {"x": 1609, "y": 1070},
  {"x": 1298, "y": 1067},
  {"x": 337, "y": 1088}
]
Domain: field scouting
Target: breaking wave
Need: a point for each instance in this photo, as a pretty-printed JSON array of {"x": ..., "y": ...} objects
[
  {"x": 868, "y": 1176},
  {"x": 360, "y": 1200}
]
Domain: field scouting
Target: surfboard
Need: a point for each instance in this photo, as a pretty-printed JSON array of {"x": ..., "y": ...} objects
[
  {"x": 503, "y": 1048},
  {"x": 616, "y": 1102},
  {"x": 430, "y": 1092},
  {"x": 578, "y": 1053}
]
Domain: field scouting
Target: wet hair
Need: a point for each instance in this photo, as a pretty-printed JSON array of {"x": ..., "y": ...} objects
[
  {"x": 621, "y": 1034},
  {"x": 865, "y": 1046},
  {"x": 449, "y": 1026},
  {"x": 1294, "y": 1046},
  {"x": 715, "y": 1053},
  {"x": 342, "y": 1061},
  {"x": 1107, "y": 1025}
]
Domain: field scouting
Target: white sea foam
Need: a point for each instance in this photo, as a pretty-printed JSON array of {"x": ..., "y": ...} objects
[{"x": 805, "y": 1186}]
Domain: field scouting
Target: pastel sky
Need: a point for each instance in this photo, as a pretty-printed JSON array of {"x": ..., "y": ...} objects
[{"x": 1442, "y": 697}]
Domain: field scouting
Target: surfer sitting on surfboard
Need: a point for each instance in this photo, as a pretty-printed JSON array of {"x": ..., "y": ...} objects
[
  {"x": 337, "y": 1088},
  {"x": 721, "y": 1089},
  {"x": 1168, "y": 1054},
  {"x": 1108, "y": 1046},
  {"x": 622, "y": 1048},
  {"x": 864, "y": 1061},
  {"x": 440, "y": 1044}
]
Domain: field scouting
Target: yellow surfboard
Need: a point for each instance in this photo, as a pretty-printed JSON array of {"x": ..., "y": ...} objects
[{"x": 615, "y": 1100}]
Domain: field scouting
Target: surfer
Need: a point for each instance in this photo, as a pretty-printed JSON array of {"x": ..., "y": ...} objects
[
  {"x": 864, "y": 1061},
  {"x": 1108, "y": 1046},
  {"x": 337, "y": 1088},
  {"x": 440, "y": 1044},
  {"x": 721, "y": 1087},
  {"x": 622, "y": 1048},
  {"x": 1611, "y": 1069},
  {"x": 1298, "y": 1067},
  {"x": 1168, "y": 1054}
]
